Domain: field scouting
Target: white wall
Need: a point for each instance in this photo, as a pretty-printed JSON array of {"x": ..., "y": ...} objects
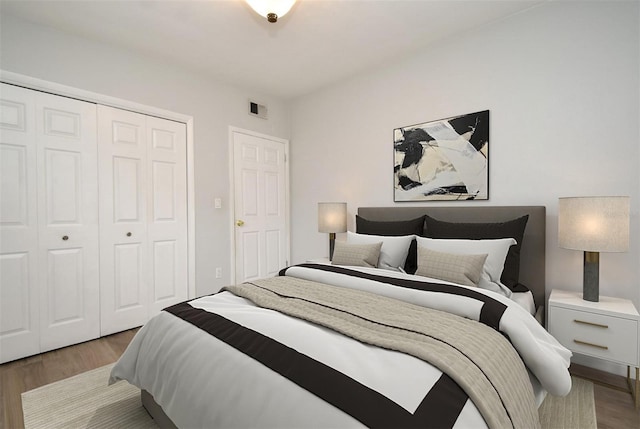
[
  {"x": 54, "y": 56},
  {"x": 561, "y": 82}
]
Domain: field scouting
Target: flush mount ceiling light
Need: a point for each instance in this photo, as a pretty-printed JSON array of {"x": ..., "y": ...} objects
[{"x": 271, "y": 9}]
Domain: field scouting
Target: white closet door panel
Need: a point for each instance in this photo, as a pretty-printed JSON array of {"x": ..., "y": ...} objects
[
  {"x": 63, "y": 176},
  {"x": 19, "y": 316},
  {"x": 128, "y": 275},
  {"x": 19, "y": 333},
  {"x": 64, "y": 277},
  {"x": 124, "y": 275},
  {"x": 14, "y": 302},
  {"x": 167, "y": 212},
  {"x": 165, "y": 259},
  {"x": 128, "y": 206},
  {"x": 16, "y": 175},
  {"x": 68, "y": 221}
]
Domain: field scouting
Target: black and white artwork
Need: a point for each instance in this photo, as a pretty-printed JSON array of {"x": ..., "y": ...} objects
[{"x": 443, "y": 160}]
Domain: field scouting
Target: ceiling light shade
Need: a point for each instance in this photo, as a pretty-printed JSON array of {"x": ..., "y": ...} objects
[{"x": 271, "y": 9}]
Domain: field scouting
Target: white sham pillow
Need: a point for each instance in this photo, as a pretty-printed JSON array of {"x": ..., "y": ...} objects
[
  {"x": 496, "y": 251},
  {"x": 394, "y": 251}
]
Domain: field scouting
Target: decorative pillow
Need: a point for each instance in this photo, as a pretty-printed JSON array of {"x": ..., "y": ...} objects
[
  {"x": 395, "y": 228},
  {"x": 394, "y": 251},
  {"x": 390, "y": 228},
  {"x": 510, "y": 229},
  {"x": 457, "y": 268},
  {"x": 361, "y": 255},
  {"x": 496, "y": 251}
]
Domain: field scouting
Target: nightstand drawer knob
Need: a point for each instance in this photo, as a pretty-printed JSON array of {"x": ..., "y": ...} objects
[
  {"x": 591, "y": 324},
  {"x": 591, "y": 345}
]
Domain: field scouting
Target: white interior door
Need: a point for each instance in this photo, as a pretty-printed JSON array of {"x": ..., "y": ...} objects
[
  {"x": 123, "y": 216},
  {"x": 68, "y": 221},
  {"x": 19, "y": 315},
  {"x": 260, "y": 205},
  {"x": 167, "y": 212}
]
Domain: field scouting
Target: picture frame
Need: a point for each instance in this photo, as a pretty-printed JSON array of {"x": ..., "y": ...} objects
[{"x": 443, "y": 160}]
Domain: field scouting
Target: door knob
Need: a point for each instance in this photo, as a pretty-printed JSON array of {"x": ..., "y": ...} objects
[
  {"x": 65, "y": 237},
  {"x": 128, "y": 234},
  {"x": 240, "y": 223}
]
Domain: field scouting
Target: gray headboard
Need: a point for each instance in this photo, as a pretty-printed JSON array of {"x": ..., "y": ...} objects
[{"x": 532, "y": 253}]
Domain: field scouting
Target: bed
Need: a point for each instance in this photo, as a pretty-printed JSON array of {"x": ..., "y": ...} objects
[{"x": 344, "y": 344}]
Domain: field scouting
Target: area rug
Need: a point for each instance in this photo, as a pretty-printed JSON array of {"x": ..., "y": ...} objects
[
  {"x": 575, "y": 411},
  {"x": 85, "y": 401}
]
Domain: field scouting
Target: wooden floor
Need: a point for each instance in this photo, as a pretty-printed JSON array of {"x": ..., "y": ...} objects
[
  {"x": 614, "y": 408},
  {"x": 26, "y": 374}
]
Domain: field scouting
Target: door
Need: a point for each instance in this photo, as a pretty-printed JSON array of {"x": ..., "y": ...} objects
[
  {"x": 122, "y": 157},
  {"x": 260, "y": 205},
  {"x": 19, "y": 315},
  {"x": 167, "y": 212},
  {"x": 68, "y": 257},
  {"x": 143, "y": 217},
  {"x": 49, "y": 279}
]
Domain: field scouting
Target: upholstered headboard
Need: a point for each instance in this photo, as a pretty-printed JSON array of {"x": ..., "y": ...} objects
[{"x": 532, "y": 253}]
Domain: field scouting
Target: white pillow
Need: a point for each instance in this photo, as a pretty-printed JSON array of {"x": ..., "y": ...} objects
[
  {"x": 394, "y": 251},
  {"x": 496, "y": 251}
]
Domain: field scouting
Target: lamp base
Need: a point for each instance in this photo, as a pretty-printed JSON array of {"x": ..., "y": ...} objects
[
  {"x": 591, "y": 277},
  {"x": 332, "y": 244}
]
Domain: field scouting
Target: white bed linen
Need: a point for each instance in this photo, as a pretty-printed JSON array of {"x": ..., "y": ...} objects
[
  {"x": 202, "y": 382},
  {"x": 525, "y": 300},
  {"x": 543, "y": 355}
]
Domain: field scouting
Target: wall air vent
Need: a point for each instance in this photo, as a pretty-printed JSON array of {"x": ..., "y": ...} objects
[{"x": 257, "y": 109}]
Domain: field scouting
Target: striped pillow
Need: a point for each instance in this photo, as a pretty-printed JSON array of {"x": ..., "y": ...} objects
[{"x": 456, "y": 268}]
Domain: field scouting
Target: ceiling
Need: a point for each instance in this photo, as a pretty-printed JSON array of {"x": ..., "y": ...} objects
[{"x": 318, "y": 43}]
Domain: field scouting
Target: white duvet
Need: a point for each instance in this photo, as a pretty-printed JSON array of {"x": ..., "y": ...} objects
[{"x": 202, "y": 382}]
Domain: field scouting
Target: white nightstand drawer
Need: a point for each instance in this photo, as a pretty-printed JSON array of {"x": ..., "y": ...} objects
[{"x": 601, "y": 336}]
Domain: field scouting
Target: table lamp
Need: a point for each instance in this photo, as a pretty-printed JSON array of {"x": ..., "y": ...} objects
[
  {"x": 332, "y": 218},
  {"x": 593, "y": 225}
]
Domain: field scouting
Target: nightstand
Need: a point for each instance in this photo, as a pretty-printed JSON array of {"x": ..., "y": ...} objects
[{"x": 607, "y": 330}]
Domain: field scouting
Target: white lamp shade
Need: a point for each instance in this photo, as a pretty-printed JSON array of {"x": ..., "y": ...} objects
[
  {"x": 332, "y": 217},
  {"x": 594, "y": 224},
  {"x": 265, "y": 7}
]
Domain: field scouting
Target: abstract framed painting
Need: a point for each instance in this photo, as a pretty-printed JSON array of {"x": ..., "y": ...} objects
[{"x": 443, "y": 160}]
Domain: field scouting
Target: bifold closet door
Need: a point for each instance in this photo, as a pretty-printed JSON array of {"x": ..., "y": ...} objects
[
  {"x": 19, "y": 313},
  {"x": 143, "y": 219},
  {"x": 123, "y": 232},
  {"x": 48, "y": 222},
  {"x": 167, "y": 212},
  {"x": 68, "y": 221}
]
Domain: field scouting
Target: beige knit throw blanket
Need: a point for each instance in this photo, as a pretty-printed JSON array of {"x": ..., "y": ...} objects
[{"x": 479, "y": 359}]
